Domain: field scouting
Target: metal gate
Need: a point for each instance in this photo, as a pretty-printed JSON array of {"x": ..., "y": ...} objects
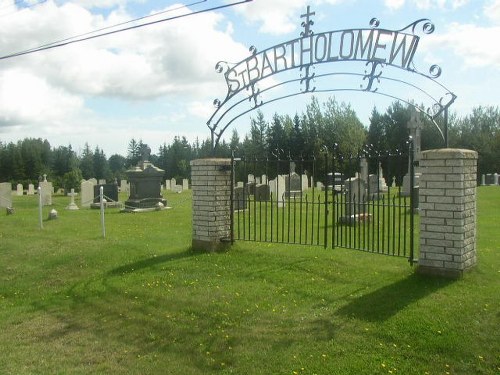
[{"x": 366, "y": 202}]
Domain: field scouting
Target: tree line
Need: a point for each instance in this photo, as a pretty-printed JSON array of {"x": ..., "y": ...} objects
[{"x": 323, "y": 127}]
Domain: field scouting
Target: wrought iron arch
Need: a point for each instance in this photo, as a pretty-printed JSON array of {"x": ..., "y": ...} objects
[{"x": 385, "y": 58}]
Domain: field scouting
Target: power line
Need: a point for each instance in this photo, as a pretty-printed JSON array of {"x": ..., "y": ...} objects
[
  {"x": 68, "y": 42},
  {"x": 110, "y": 27}
]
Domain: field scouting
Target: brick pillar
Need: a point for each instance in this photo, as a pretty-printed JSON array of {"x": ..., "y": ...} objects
[
  {"x": 211, "y": 187},
  {"x": 447, "y": 211}
]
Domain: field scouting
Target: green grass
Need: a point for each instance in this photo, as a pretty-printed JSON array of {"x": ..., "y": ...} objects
[{"x": 141, "y": 302}]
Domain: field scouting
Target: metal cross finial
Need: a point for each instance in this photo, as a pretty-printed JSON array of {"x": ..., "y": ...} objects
[{"x": 308, "y": 23}]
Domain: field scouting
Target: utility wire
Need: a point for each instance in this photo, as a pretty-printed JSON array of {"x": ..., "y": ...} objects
[
  {"x": 68, "y": 42},
  {"x": 43, "y": 46}
]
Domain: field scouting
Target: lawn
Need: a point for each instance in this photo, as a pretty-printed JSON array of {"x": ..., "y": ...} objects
[{"x": 139, "y": 301}]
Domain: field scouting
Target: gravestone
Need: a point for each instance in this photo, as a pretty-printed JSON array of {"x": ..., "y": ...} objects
[
  {"x": 277, "y": 189},
  {"x": 5, "y": 195},
  {"x": 262, "y": 193},
  {"x": 240, "y": 184},
  {"x": 173, "y": 182},
  {"x": 31, "y": 189},
  {"x": 376, "y": 184},
  {"x": 263, "y": 179},
  {"x": 320, "y": 186},
  {"x": 168, "y": 186},
  {"x": 355, "y": 195},
  {"x": 495, "y": 178},
  {"x": 102, "y": 181},
  {"x": 293, "y": 185},
  {"x": 185, "y": 184},
  {"x": 72, "y": 205},
  {"x": 239, "y": 198},
  {"x": 46, "y": 191},
  {"x": 177, "y": 189},
  {"x": 251, "y": 178},
  {"x": 415, "y": 127},
  {"x": 124, "y": 186},
  {"x": 251, "y": 188},
  {"x": 305, "y": 182},
  {"x": 19, "y": 190},
  {"x": 145, "y": 185},
  {"x": 483, "y": 180},
  {"x": 93, "y": 181},
  {"x": 87, "y": 193},
  {"x": 110, "y": 192},
  {"x": 363, "y": 166}
]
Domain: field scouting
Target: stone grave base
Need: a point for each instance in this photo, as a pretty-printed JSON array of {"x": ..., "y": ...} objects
[
  {"x": 151, "y": 204},
  {"x": 150, "y": 209},
  {"x": 97, "y": 206}
]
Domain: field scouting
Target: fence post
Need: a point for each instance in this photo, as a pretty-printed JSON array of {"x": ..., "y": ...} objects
[
  {"x": 40, "y": 207},
  {"x": 211, "y": 187},
  {"x": 447, "y": 211}
]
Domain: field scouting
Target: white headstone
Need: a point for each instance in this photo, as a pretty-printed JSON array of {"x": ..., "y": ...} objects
[
  {"x": 177, "y": 188},
  {"x": 72, "y": 205},
  {"x": 305, "y": 182},
  {"x": 19, "y": 189},
  {"x": 87, "y": 193},
  {"x": 263, "y": 179},
  {"x": 102, "y": 181},
  {"x": 185, "y": 184},
  {"x": 277, "y": 187},
  {"x": 124, "y": 186},
  {"x": 46, "y": 191},
  {"x": 93, "y": 181},
  {"x": 168, "y": 186},
  {"x": 5, "y": 195},
  {"x": 173, "y": 182},
  {"x": 31, "y": 189},
  {"x": 251, "y": 178}
]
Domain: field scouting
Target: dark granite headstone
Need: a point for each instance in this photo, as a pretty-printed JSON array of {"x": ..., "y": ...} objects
[
  {"x": 262, "y": 193},
  {"x": 239, "y": 199},
  {"x": 110, "y": 192}
]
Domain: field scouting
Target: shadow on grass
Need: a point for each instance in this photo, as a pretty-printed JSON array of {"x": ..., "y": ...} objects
[
  {"x": 151, "y": 262},
  {"x": 386, "y": 302}
]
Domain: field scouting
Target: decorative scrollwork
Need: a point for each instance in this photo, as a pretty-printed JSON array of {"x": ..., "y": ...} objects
[
  {"x": 435, "y": 71},
  {"x": 374, "y": 22},
  {"x": 427, "y": 26},
  {"x": 253, "y": 50},
  {"x": 222, "y": 66},
  {"x": 372, "y": 76}
]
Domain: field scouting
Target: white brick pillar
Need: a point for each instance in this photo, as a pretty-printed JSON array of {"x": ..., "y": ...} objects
[
  {"x": 211, "y": 187},
  {"x": 447, "y": 211}
]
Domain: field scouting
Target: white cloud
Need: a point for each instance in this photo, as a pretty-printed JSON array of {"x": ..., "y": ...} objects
[
  {"x": 426, "y": 4},
  {"x": 28, "y": 99},
  {"x": 172, "y": 58},
  {"x": 473, "y": 45},
  {"x": 394, "y": 4},
  {"x": 492, "y": 11}
]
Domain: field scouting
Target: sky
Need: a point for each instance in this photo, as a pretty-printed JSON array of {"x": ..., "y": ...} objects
[{"x": 159, "y": 81}]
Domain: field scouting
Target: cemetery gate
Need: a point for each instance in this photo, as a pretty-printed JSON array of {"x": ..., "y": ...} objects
[{"x": 364, "y": 202}]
